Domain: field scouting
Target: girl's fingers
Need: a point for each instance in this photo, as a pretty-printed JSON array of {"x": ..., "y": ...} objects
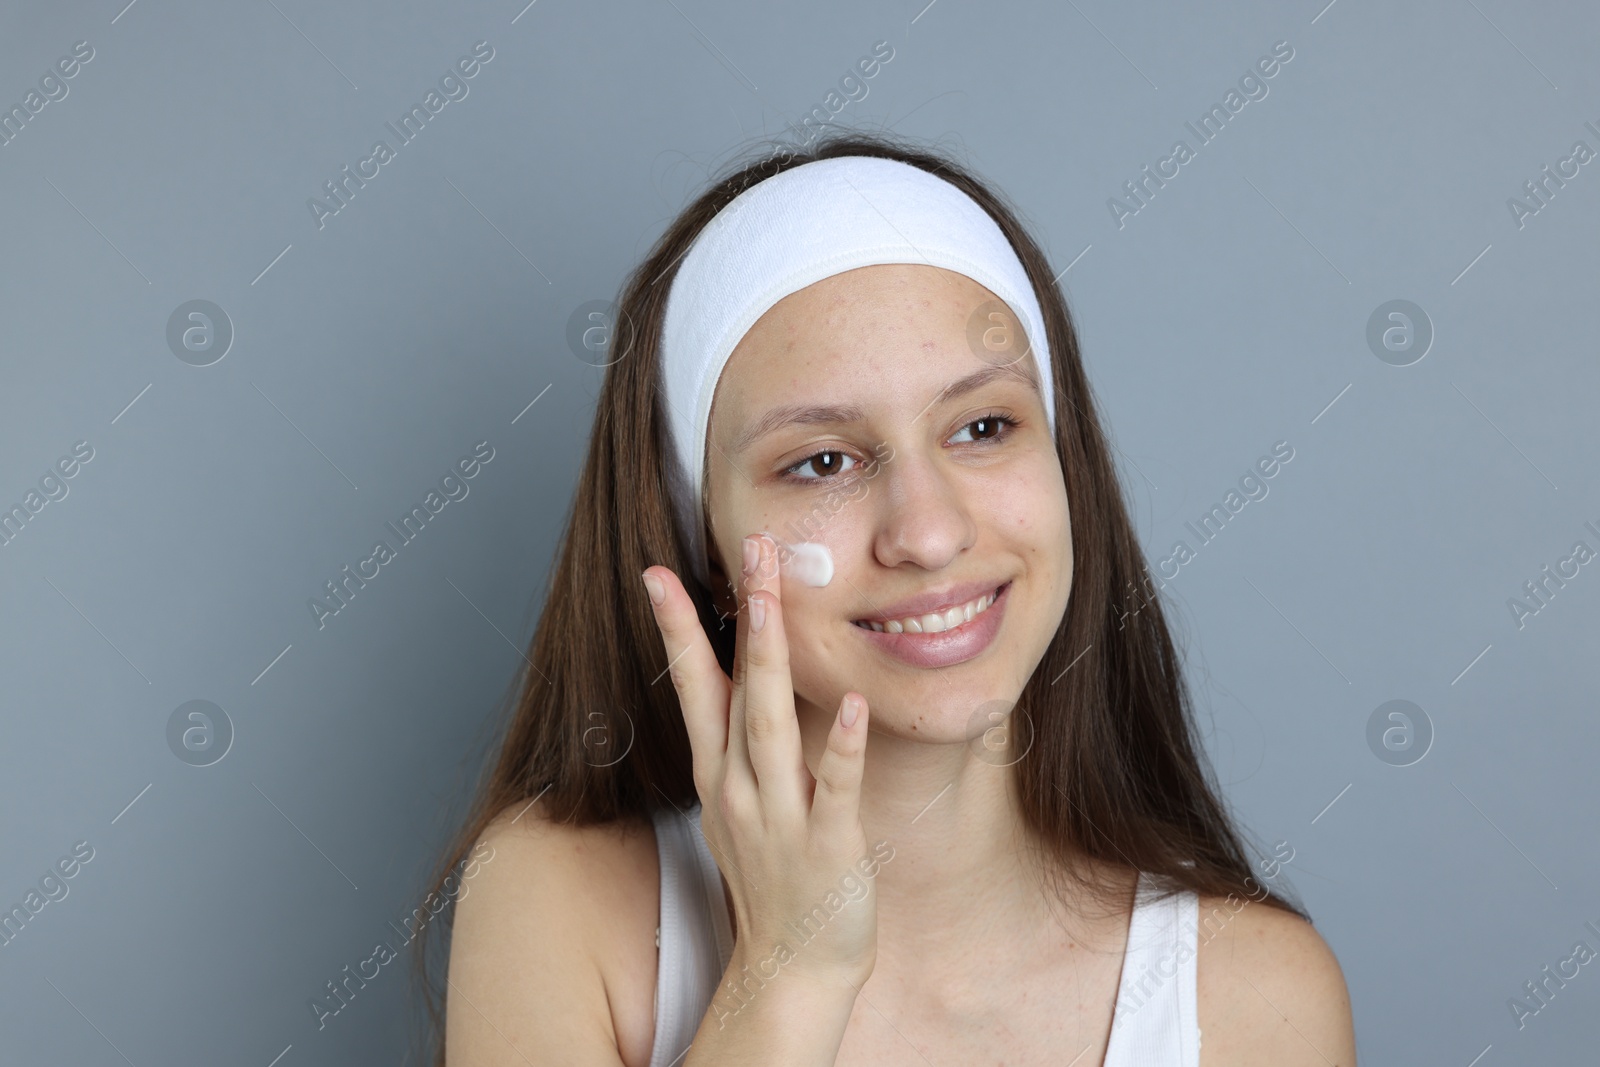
[
  {"x": 738, "y": 752},
  {"x": 771, "y": 730},
  {"x": 702, "y": 688},
  {"x": 750, "y": 576},
  {"x": 836, "y": 802}
]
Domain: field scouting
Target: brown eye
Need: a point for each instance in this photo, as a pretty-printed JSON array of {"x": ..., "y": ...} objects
[
  {"x": 990, "y": 428},
  {"x": 822, "y": 465},
  {"x": 826, "y": 463}
]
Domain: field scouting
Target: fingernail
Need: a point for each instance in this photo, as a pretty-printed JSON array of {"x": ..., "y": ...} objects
[
  {"x": 848, "y": 713},
  {"x": 752, "y": 555},
  {"x": 758, "y": 614},
  {"x": 654, "y": 586}
]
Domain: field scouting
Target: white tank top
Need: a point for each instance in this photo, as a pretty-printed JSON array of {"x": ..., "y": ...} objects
[{"x": 1154, "y": 1023}]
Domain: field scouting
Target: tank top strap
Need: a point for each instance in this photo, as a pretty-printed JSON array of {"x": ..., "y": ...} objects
[
  {"x": 694, "y": 935},
  {"x": 1154, "y": 1023}
]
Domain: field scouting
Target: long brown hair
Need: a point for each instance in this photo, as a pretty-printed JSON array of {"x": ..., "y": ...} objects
[{"x": 1111, "y": 770}]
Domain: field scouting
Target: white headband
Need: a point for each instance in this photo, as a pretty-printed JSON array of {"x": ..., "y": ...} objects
[{"x": 798, "y": 227}]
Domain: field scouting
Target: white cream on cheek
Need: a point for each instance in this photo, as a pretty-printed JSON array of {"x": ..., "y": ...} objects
[
  {"x": 812, "y": 563},
  {"x": 809, "y": 562}
]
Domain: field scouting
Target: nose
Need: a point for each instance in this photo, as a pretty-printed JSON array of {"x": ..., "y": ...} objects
[{"x": 923, "y": 515}]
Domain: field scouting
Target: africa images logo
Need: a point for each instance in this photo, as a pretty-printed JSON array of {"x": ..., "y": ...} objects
[
  {"x": 342, "y": 589},
  {"x": 341, "y": 991},
  {"x": 452, "y": 86}
]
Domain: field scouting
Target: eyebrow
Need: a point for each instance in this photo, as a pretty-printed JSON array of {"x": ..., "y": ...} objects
[{"x": 824, "y": 414}]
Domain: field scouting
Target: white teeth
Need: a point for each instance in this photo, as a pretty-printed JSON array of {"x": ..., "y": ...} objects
[{"x": 935, "y": 623}]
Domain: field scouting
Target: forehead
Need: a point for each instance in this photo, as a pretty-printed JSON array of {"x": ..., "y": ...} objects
[{"x": 848, "y": 331}]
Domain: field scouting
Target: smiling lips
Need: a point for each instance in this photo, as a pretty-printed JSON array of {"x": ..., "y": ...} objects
[
  {"x": 934, "y": 622},
  {"x": 940, "y": 638}
]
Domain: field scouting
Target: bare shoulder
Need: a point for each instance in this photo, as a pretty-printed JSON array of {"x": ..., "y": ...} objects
[
  {"x": 1269, "y": 990},
  {"x": 552, "y": 958}
]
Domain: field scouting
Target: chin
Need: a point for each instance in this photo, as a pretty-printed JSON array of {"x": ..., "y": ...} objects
[{"x": 948, "y": 719}]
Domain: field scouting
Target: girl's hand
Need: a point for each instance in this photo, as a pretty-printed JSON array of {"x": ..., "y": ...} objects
[{"x": 784, "y": 840}]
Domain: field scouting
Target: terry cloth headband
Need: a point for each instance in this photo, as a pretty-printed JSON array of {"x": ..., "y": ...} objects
[{"x": 797, "y": 227}]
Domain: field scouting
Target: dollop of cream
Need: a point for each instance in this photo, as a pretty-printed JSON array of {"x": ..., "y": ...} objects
[{"x": 808, "y": 562}]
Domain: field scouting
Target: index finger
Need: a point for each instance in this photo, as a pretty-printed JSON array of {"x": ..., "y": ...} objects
[
  {"x": 702, "y": 688},
  {"x": 769, "y": 726}
]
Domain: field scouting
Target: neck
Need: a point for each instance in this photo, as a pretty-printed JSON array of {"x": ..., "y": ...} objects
[{"x": 964, "y": 876}]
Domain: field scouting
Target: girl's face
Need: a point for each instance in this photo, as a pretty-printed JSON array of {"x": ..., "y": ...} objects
[{"x": 884, "y": 413}]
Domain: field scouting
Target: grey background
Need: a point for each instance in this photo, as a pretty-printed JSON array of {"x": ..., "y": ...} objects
[{"x": 427, "y": 315}]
